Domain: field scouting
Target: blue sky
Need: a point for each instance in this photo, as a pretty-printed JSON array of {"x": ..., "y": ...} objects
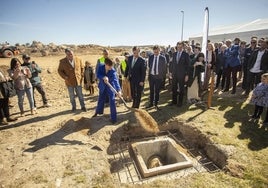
[{"x": 118, "y": 22}]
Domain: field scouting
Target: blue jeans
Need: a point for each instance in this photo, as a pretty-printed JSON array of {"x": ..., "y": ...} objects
[
  {"x": 78, "y": 91},
  {"x": 40, "y": 90},
  {"x": 29, "y": 93},
  {"x": 101, "y": 102}
]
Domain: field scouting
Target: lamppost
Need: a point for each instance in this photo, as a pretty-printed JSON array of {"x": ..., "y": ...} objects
[{"x": 182, "y": 25}]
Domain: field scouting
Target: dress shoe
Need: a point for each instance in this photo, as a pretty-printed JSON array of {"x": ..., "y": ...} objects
[
  {"x": 255, "y": 116},
  {"x": 225, "y": 90},
  {"x": 157, "y": 108},
  {"x": 113, "y": 121},
  {"x": 149, "y": 106},
  {"x": 171, "y": 104},
  {"x": 9, "y": 119},
  {"x": 245, "y": 94},
  {"x": 84, "y": 109},
  {"x": 265, "y": 124}
]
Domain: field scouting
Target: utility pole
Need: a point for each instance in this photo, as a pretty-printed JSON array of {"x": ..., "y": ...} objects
[{"x": 182, "y": 21}]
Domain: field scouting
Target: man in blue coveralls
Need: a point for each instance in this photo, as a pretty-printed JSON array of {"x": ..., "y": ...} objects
[{"x": 106, "y": 73}]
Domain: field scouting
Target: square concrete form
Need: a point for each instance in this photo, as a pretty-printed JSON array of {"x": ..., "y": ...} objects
[{"x": 166, "y": 149}]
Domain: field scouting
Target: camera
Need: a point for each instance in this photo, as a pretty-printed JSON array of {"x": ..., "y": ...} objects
[{"x": 23, "y": 69}]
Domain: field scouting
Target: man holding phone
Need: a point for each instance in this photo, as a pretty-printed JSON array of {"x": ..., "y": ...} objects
[{"x": 35, "y": 79}]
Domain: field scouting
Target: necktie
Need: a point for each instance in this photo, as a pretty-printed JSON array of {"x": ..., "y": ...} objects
[
  {"x": 179, "y": 56},
  {"x": 155, "y": 64},
  {"x": 133, "y": 62}
]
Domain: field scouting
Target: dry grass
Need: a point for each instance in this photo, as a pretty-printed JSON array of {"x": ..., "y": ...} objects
[{"x": 226, "y": 123}]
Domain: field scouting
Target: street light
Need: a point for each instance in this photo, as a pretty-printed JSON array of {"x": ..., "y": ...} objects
[{"x": 182, "y": 25}]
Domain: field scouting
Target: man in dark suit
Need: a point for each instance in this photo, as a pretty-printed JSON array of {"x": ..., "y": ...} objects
[
  {"x": 257, "y": 65},
  {"x": 248, "y": 52},
  {"x": 166, "y": 55},
  {"x": 179, "y": 73},
  {"x": 135, "y": 72},
  {"x": 157, "y": 70}
]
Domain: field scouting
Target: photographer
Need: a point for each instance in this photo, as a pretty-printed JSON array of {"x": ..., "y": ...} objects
[
  {"x": 21, "y": 76},
  {"x": 35, "y": 79}
]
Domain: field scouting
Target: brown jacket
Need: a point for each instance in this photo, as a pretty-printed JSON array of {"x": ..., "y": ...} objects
[{"x": 72, "y": 76}]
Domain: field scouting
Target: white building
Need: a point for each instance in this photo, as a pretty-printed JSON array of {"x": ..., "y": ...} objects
[{"x": 244, "y": 31}]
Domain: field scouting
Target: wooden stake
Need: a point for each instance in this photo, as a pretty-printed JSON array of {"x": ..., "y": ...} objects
[{"x": 211, "y": 91}]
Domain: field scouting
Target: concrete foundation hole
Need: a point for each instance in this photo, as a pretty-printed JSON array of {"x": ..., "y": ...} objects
[{"x": 159, "y": 156}]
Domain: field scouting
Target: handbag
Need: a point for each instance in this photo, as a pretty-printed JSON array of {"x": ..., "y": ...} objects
[{"x": 8, "y": 89}]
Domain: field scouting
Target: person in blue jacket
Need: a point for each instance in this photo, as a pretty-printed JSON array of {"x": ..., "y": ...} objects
[
  {"x": 232, "y": 63},
  {"x": 106, "y": 73}
]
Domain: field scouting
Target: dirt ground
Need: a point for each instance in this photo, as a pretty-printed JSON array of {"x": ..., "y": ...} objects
[
  {"x": 58, "y": 148},
  {"x": 43, "y": 149}
]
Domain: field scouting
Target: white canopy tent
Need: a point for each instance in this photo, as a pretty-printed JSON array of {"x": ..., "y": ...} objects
[{"x": 244, "y": 31}]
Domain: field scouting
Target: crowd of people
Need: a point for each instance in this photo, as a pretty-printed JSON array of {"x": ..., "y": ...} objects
[
  {"x": 25, "y": 79},
  {"x": 184, "y": 68}
]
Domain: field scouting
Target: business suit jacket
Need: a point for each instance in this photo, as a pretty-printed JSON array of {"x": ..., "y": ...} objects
[
  {"x": 232, "y": 56},
  {"x": 73, "y": 76},
  {"x": 162, "y": 63},
  {"x": 264, "y": 60},
  {"x": 180, "y": 70},
  {"x": 113, "y": 80},
  {"x": 136, "y": 73}
]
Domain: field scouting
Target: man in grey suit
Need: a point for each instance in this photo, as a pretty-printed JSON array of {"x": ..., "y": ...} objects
[
  {"x": 157, "y": 65},
  {"x": 179, "y": 72}
]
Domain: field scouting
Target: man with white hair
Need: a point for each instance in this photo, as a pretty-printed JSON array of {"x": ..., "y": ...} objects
[{"x": 232, "y": 64}]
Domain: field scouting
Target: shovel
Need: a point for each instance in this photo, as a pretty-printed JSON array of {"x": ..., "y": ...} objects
[{"x": 114, "y": 90}]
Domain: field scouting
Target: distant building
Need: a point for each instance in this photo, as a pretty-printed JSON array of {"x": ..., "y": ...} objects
[{"x": 244, "y": 31}]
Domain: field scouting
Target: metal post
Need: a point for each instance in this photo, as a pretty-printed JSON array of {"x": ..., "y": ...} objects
[{"x": 182, "y": 25}]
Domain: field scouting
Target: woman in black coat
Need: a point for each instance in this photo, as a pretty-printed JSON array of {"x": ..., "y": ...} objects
[{"x": 194, "y": 83}]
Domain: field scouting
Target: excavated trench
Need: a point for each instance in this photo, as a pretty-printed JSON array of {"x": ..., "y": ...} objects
[{"x": 159, "y": 156}]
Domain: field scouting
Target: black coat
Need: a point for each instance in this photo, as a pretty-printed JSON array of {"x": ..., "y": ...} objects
[
  {"x": 195, "y": 72},
  {"x": 161, "y": 65},
  {"x": 220, "y": 62},
  {"x": 136, "y": 73},
  {"x": 180, "y": 70},
  {"x": 264, "y": 60}
]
